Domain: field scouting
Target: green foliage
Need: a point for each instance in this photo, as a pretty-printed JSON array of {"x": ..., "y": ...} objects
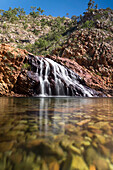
[
  {"x": 88, "y": 24},
  {"x": 43, "y": 22},
  {"x": 62, "y": 19},
  {"x": 46, "y": 43},
  {"x": 11, "y": 40},
  {"x": 36, "y": 32},
  {"x": 4, "y": 57},
  {"x": 35, "y": 13},
  {"x": 4, "y": 26},
  {"x": 108, "y": 39},
  {"x": 97, "y": 16},
  {"x": 41, "y": 43},
  {"x": 105, "y": 13},
  {"x": 13, "y": 14},
  {"x": 96, "y": 6},
  {"x": 40, "y": 10},
  {"x": 25, "y": 26},
  {"x": 20, "y": 12},
  {"x": 38, "y": 23},
  {"x": 91, "y": 6},
  {"x": 26, "y": 66},
  {"x": 10, "y": 54},
  {"x": 33, "y": 8}
]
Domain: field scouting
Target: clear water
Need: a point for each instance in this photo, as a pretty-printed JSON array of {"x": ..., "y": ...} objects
[{"x": 56, "y": 133}]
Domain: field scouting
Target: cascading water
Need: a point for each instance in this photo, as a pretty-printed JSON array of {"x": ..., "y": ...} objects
[
  {"x": 54, "y": 79},
  {"x": 66, "y": 78}
]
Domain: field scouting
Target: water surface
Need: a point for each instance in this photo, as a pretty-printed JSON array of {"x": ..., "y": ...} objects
[{"x": 56, "y": 133}]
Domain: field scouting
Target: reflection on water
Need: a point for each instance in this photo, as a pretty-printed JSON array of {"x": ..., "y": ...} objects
[{"x": 56, "y": 133}]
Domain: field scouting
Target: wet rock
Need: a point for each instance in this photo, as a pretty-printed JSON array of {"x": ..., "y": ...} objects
[
  {"x": 15, "y": 133},
  {"x": 65, "y": 144},
  {"x": 92, "y": 167},
  {"x": 16, "y": 157},
  {"x": 23, "y": 165},
  {"x": 54, "y": 166},
  {"x": 101, "y": 164},
  {"x": 6, "y": 146},
  {"x": 75, "y": 150},
  {"x": 70, "y": 128},
  {"x": 83, "y": 122},
  {"x": 74, "y": 162},
  {"x": 21, "y": 127},
  {"x": 30, "y": 158},
  {"x": 42, "y": 147},
  {"x": 2, "y": 165},
  {"x": 34, "y": 143},
  {"x": 85, "y": 143},
  {"x": 92, "y": 157},
  {"x": 101, "y": 138},
  {"x": 104, "y": 150},
  {"x": 111, "y": 157},
  {"x": 44, "y": 166}
]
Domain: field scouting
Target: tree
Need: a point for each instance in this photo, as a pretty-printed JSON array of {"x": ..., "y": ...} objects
[
  {"x": 90, "y": 5},
  {"x": 96, "y": 6},
  {"x": 20, "y": 12},
  {"x": 67, "y": 14},
  {"x": 74, "y": 18},
  {"x": 35, "y": 13},
  {"x": 1, "y": 11},
  {"x": 11, "y": 14},
  {"x": 33, "y": 8},
  {"x": 40, "y": 10}
]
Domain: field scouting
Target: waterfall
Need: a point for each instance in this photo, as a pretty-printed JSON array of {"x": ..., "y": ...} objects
[{"x": 56, "y": 80}]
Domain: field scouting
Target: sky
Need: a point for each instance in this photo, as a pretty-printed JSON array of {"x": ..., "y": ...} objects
[{"x": 55, "y": 7}]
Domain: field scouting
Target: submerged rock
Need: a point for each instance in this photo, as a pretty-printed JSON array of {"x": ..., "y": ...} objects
[
  {"x": 6, "y": 146},
  {"x": 75, "y": 162}
]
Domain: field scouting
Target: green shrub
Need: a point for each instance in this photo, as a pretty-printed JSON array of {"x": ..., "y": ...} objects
[
  {"x": 38, "y": 24},
  {"x": 97, "y": 16},
  {"x": 25, "y": 26},
  {"x": 105, "y": 13},
  {"x": 12, "y": 40},
  {"x": 4, "y": 26},
  {"x": 41, "y": 43},
  {"x": 36, "y": 32},
  {"x": 88, "y": 24},
  {"x": 26, "y": 66}
]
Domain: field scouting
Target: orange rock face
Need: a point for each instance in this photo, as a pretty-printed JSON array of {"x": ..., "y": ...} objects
[
  {"x": 88, "y": 53},
  {"x": 11, "y": 61}
]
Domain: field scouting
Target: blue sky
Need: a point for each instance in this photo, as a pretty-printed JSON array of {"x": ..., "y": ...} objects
[{"x": 55, "y": 7}]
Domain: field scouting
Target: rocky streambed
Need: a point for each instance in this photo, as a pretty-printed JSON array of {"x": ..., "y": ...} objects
[{"x": 56, "y": 133}]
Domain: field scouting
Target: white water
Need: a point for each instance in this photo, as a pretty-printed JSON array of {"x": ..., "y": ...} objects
[{"x": 63, "y": 80}]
